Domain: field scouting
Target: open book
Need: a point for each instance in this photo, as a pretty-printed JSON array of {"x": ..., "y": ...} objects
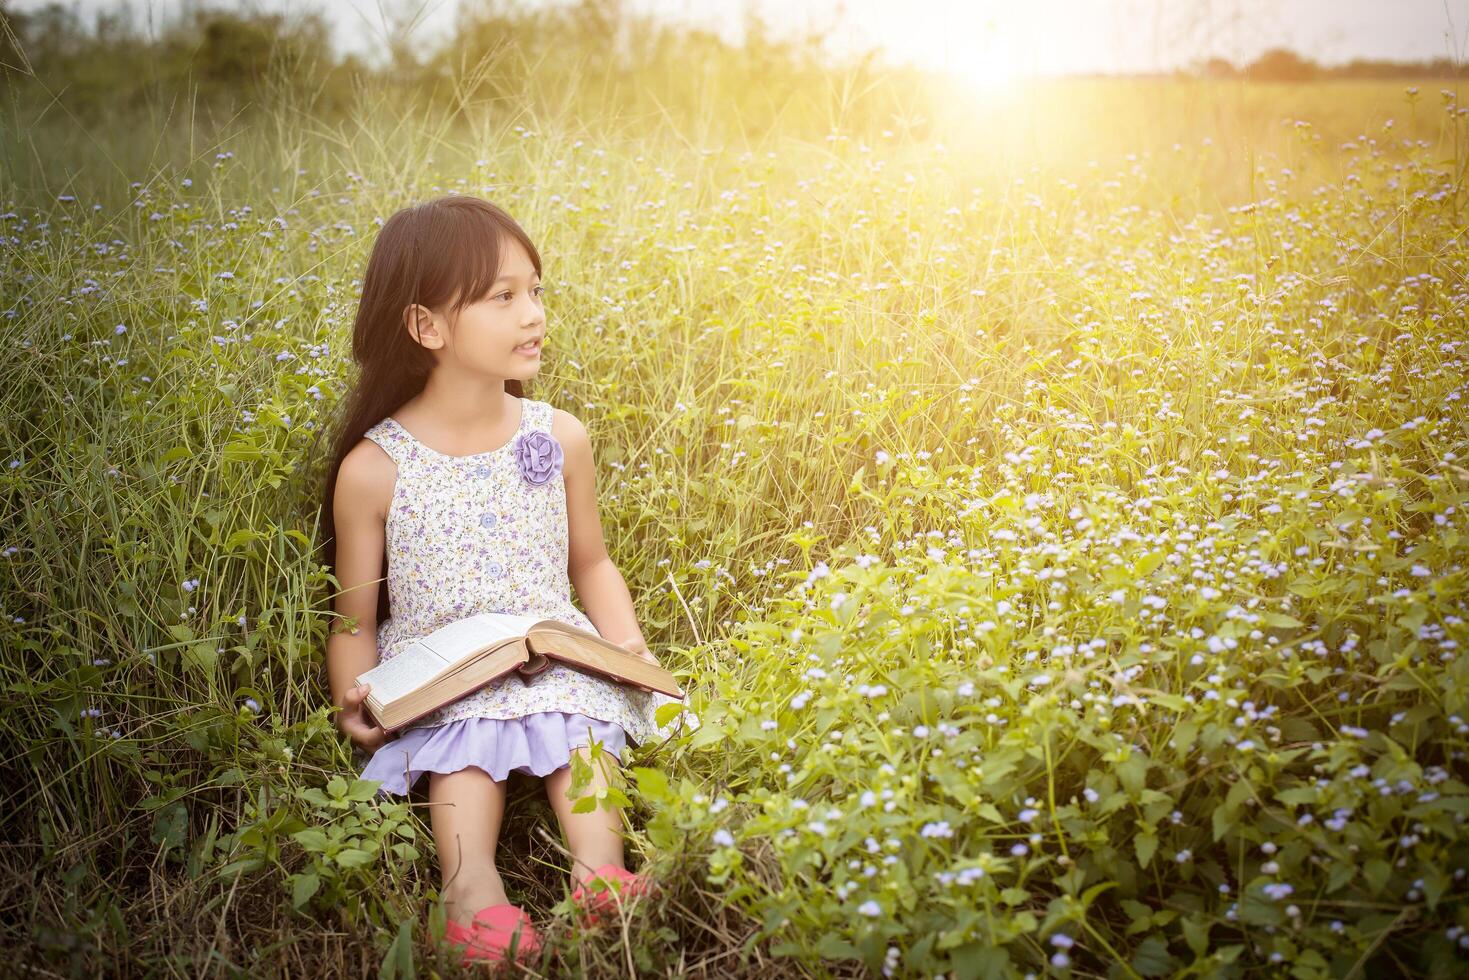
[{"x": 469, "y": 653}]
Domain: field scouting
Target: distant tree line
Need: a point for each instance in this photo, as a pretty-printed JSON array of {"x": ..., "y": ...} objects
[
  {"x": 216, "y": 57},
  {"x": 227, "y": 58},
  {"x": 1285, "y": 65}
]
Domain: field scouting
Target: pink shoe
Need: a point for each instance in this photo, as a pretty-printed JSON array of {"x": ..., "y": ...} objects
[
  {"x": 614, "y": 880},
  {"x": 495, "y": 928}
]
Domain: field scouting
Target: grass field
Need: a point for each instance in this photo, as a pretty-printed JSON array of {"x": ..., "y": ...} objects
[{"x": 1055, "y": 504}]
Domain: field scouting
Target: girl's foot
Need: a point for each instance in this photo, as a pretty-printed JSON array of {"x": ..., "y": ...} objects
[
  {"x": 602, "y": 892},
  {"x": 494, "y": 930}
]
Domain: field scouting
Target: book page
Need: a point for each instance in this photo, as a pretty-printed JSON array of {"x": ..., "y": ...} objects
[
  {"x": 590, "y": 652},
  {"x": 465, "y": 637},
  {"x": 399, "y": 675},
  {"x": 444, "y": 664}
]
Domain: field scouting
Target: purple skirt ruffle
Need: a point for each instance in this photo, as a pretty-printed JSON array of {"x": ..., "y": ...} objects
[{"x": 537, "y": 744}]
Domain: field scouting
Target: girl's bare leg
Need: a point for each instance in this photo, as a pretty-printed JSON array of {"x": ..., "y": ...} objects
[
  {"x": 594, "y": 838},
  {"x": 466, "y": 809}
]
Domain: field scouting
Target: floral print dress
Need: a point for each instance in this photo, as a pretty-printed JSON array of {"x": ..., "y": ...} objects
[{"x": 488, "y": 533}]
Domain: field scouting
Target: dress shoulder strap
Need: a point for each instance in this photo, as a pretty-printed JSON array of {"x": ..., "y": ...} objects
[
  {"x": 394, "y": 441},
  {"x": 537, "y": 415}
]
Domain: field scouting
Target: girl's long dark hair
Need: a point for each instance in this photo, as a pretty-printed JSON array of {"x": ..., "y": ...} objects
[{"x": 442, "y": 251}]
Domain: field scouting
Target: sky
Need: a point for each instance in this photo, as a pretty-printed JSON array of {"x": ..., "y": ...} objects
[{"x": 988, "y": 40}]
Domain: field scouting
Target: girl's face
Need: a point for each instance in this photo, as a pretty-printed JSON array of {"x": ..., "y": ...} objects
[{"x": 501, "y": 334}]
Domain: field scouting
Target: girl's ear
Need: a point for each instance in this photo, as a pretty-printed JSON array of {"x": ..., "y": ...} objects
[{"x": 419, "y": 322}]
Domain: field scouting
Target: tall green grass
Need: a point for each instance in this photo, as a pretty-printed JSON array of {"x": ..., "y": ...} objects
[{"x": 1056, "y": 508}]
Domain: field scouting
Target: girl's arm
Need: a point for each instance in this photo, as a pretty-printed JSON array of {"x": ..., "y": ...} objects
[
  {"x": 359, "y": 508},
  {"x": 600, "y": 586}
]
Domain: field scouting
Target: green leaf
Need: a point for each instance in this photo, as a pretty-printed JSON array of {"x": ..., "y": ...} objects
[
  {"x": 1222, "y": 820},
  {"x": 651, "y": 783},
  {"x": 990, "y": 813},
  {"x": 707, "y": 734},
  {"x": 1435, "y": 883},
  {"x": 243, "y": 866},
  {"x": 1298, "y": 730},
  {"x": 1341, "y": 874},
  {"x": 1196, "y": 934},
  {"x": 667, "y": 712},
  {"x": 1141, "y": 916},
  {"x": 1308, "y": 588},
  {"x": 1242, "y": 790},
  {"x": 1257, "y": 910},
  {"x": 1377, "y": 872},
  {"x": 237, "y": 541},
  {"x": 1147, "y": 846},
  {"x": 303, "y": 886},
  {"x": 1298, "y": 796},
  {"x": 315, "y": 796},
  {"x": 1172, "y": 702},
  {"x": 398, "y": 961},
  {"x": 239, "y": 450},
  {"x": 1133, "y": 773},
  {"x": 311, "y": 839},
  {"x": 832, "y": 946},
  {"x": 1014, "y": 896},
  {"x": 976, "y": 961},
  {"x": 1152, "y": 958},
  {"x": 1144, "y": 566},
  {"x": 363, "y": 789},
  {"x": 1281, "y": 620},
  {"x": 585, "y": 804},
  {"x": 171, "y": 825},
  {"x": 354, "y": 857},
  {"x": 1090, "y": 895},
  {"x": 1184, "y": 735}
]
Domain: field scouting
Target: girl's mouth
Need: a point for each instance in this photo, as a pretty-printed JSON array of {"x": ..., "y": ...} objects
[{"x": 532, "y": 349}]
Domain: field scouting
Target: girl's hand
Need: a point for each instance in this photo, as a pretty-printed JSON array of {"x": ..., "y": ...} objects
[{"x": 353, "y": 720}]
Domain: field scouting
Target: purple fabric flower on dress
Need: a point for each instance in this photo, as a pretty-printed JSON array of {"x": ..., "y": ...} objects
[{"x": 539, "y": 456}]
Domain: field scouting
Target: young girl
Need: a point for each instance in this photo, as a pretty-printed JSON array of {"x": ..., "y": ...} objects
[{"x": 469, "y": 497}]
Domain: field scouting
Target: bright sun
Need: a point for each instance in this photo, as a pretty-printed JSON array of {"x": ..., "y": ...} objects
[
  {"x": 983, "y": 48},
  {"x": 990, "y": 72}
]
